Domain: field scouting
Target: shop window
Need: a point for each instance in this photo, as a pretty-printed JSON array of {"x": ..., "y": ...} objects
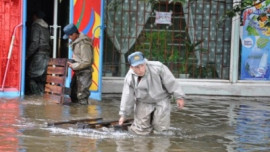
[{"x": 193, "y": 44}]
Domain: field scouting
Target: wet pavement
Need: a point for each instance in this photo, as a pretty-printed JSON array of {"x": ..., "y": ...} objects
[{"x": 206, "y": 124}]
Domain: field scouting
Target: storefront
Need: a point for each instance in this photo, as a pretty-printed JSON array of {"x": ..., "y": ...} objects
[
  {"x": 187, "y": 37},
  {"x": 16, "y": 20}
]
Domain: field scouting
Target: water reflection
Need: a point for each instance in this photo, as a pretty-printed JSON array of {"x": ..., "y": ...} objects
[
  {"x": 204, "y": 125},
  {"x": 9, "y": 115},
  {"x": 158, "y": 144},
  {"x": 38, "y": 113},
  {"x": 42, "y": 111},
  {"x": 252, "y": 128}
]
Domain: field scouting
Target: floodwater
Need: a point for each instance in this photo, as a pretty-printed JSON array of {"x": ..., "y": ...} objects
[{"x": 206, "y": 124}]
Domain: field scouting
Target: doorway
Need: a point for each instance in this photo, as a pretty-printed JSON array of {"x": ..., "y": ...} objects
[
  {"x": 56, "y": 16},
  {"x": 47, "y": 6}
]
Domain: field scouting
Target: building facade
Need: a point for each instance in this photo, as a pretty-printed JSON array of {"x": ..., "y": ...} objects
[
  {"x": 207, "y": 55},
  {"x": 16, "y": 20},
  {"x": 203, "y": 49}
]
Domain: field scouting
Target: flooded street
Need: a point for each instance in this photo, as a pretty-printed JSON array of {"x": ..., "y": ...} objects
[{"x": 206, "y": 124}]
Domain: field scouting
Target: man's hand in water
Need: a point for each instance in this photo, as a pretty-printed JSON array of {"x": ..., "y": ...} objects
[
  {"x": 121, "y": 120},
  {"x": 180, "y": 103}
]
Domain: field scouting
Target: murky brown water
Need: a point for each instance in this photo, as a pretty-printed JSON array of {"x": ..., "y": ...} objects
[{"x": 204, "y": 125}]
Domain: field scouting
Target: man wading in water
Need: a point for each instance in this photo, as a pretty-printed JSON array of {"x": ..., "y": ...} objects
[
  {"x": 149, "y": 86},
  {"x": 82, "y": 64}
]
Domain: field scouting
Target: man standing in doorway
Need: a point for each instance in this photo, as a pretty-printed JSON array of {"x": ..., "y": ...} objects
[
  {"x": 81, "y": 64},
  {"x": 37, "y": 55},
  {"x": 148, "y": 90}
]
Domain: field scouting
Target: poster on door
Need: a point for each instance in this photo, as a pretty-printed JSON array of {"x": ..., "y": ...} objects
[{"x": 255, "y": 57}]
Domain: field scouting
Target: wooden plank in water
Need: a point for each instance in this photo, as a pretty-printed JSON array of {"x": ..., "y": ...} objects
[
  {"x": 53, "y": 98},
  {"x": 55, "y": 79},
  {"x": 104, "y": 124},
  {"x": 73, "y": 121},
  {"x": 55, "y": 82},
  {"x": 54, "y": 89},
  {"x": 124, "y": 126},
  {"x": 58, "y": 61},
  {"x": 56, "y": 70}
]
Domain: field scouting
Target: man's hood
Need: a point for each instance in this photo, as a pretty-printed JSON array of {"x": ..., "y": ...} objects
[
  {"x": 41, "y": 22},
  {"x": 82, "y": 37}
]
